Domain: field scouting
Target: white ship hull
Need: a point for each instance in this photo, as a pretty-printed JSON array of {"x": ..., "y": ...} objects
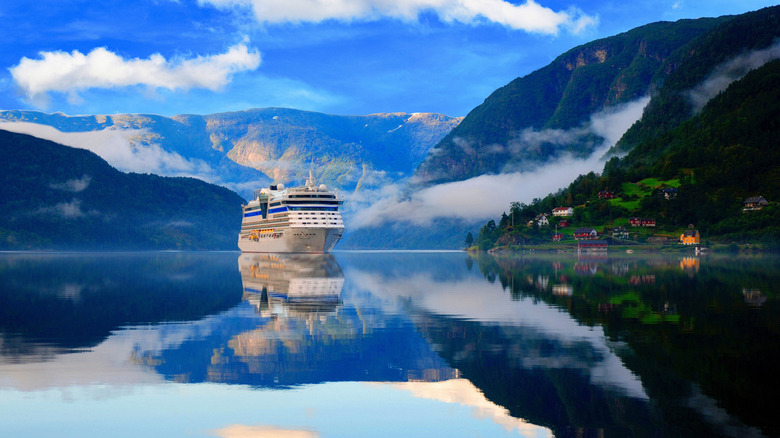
[
  {"x": 295, "y": 220},
  {"x": 293, "y": 240}
]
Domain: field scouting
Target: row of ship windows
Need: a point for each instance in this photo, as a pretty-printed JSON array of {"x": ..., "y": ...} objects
[
  {"x": 317, "y": 223},
  {"x": 317, "y": 202}
]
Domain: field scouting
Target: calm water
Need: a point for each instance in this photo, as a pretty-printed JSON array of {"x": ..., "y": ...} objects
[{"x": 387, "y": 344}]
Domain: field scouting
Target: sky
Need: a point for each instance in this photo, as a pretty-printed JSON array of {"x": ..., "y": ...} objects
[{"x": 344, "y": 57}]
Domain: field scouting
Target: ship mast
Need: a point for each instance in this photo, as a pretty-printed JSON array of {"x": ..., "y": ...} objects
[{"x": 310, "y": 180}]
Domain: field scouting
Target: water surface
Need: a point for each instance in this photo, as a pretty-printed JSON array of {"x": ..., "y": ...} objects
[{"x": 387, "y": 344}]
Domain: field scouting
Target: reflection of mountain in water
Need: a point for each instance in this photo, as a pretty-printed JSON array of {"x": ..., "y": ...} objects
[
  {"x": 55, "y": 303},
  {"x": 701, "y": 349},
  {"x": 293, "y": 329},
  {"x": 539, "y": 378}
]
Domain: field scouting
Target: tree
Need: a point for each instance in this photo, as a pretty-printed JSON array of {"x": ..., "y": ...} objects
[{"x": 469, "y": 240}]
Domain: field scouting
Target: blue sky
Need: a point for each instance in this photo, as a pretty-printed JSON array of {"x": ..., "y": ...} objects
[{"x": 349, "y": 57}]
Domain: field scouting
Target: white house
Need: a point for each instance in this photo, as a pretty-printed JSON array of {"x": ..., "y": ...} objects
[{"x": 563, "y": 211}]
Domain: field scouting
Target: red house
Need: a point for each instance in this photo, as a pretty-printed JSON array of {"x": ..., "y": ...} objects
[
  {"x": 648, "y": 222},
  {"x": 585, "y": 234},
  {"x": 563, "y": 223},
  {"x": 606, "y": 194},
  {"x": 557, "y": 237},
  {"x": 635, "y": 221}
]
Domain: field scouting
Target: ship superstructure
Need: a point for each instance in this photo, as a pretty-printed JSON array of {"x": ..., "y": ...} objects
[{"x": 302, "y": 219}]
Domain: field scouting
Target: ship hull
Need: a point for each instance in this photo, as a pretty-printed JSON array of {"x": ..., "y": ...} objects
[{"x": 293, "y": 240}]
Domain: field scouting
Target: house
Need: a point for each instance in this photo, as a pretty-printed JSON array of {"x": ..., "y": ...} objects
[
  {"x": 690, "y": 237},
  {"x": 620, "y": 233},
  {"x": 563, "y": 211},
  {"x": 563, "y": 223},
  {"x": 557, "y": 237},
  {"x": 669, "y": 193},
  {"x": 755, "y": 203},
  {"x": 542, "y": 221},
  {"x": 606, "y": 194},
  {"x": 585, "y": 234},
  {"x": 592, "y": 246},
  {"x": 641, "y": 221}
]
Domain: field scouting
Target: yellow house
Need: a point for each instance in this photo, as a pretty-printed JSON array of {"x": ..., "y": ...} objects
[{"x": 690, "y": 237}]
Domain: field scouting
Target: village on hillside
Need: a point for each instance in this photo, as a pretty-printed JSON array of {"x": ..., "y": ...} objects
[{"x": 572, "y": 227}]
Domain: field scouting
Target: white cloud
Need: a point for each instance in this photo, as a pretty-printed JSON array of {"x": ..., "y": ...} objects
[
  {"x": 487, "y": 196},
  {"x": 72, "y": 72},
  {"x": 125, "y": 149},
  {"x": 529, "y": 16}
]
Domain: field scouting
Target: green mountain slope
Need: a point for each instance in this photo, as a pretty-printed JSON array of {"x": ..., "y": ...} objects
[
  {"x": 723, "y": 155},
  {"x": 721, "y": 47},
  {"x": 57, "y": 197},
  {"x": 563, "y": 95}
]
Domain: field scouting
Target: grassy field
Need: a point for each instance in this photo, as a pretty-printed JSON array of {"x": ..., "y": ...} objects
[{"x": 634, "y": 192}]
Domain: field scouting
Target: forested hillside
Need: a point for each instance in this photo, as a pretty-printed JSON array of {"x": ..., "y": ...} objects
[
  {"x": 57, "y": 197},
  {"x": 724, "y": 53},
  {"x": 714, "y": 162},
  {"x": 560, "y": 96}
]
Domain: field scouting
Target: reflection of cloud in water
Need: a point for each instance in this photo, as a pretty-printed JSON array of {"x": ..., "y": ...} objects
[
  {"x": 106, "y": 365},
  {"x": 478, "y": 300},
  {"x": 243, "y": 431},
  {"x": 463, "y": 392}
]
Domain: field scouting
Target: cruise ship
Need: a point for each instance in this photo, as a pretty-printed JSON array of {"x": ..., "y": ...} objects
[{"x": 292, "y": 220}]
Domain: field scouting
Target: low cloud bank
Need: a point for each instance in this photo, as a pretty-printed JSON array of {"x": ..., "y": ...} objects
[
  {"x": 122, "y": 148},
  {"x": 529, "y": 16},
  {"x": 732, "y": 70},
  {"x": 487, "y": 196},
  {"x": 73, "y": 185}
]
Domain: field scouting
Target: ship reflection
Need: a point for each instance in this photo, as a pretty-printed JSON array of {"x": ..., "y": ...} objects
[
  {"x": 291, "y": 285},
  {"x": 293, "y": 328}
]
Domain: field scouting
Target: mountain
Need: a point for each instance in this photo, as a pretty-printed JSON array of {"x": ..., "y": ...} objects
[
  {"x": 723, "y": 155},
  {"x": 538, "y": 117},
  {"x": 58, "y": 197},
  {"x": 248, "y": 149},
  {"x": 709, "y": 131},
  {"x": 715, "y": 160},
  {"x": 704, "y": 68}
]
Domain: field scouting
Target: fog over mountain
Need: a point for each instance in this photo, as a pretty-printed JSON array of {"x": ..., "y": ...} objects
[{"x": 249, "y": 149}]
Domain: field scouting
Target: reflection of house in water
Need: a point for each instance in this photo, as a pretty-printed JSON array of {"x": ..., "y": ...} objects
[
  {"x": 563, "y": 290},
  {"x": 753, "y": 297},
  {"x": 586, "y": 268},
  {"x": 301, "y": 282},
  {"x": 542, "y": 281},
  {"x": 690, "y": 264},
  {"x": 620, "y": 269},
  {"x": 636, "y": 280}
]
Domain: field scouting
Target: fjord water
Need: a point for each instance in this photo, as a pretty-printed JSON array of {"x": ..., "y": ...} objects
[{"x": 387, "y": 344}]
